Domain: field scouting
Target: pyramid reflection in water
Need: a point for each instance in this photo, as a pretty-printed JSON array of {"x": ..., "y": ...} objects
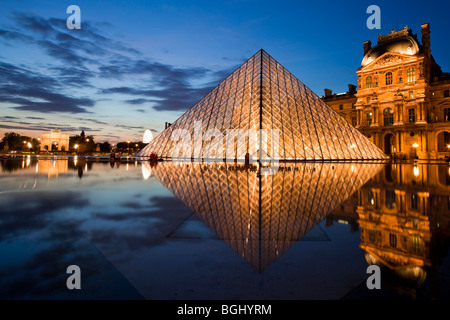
[
  {"x": 263, "y": 95},
  {"x": 262, "y": 216}
]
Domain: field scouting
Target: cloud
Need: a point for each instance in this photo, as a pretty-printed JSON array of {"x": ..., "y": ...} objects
[
  {"x": 81, "y": 59},
  {"x": 146, "y": 228},
  {"x": 15, "y": 123},
  {"x": 139, "y": 101},
  {"x": 171, "y": 98},
  {"x": 33, "y": 23},
  {"x": 35, "y": 118},
  {"x": 14, "y": 35},
  {"x": 19, "y": 217},
  {"x": 32, "y": 91},
  {"x": 91, "y": 120}
]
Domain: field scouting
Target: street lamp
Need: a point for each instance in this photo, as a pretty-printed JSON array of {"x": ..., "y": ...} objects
[
  {"x": 76, "y": 147},
  {"x": 448, "y": 147}
]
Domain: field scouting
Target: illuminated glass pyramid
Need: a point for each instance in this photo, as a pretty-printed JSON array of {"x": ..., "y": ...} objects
[
  {"x": 262, "y": 94},
  {"x": 262, "y": 216}
]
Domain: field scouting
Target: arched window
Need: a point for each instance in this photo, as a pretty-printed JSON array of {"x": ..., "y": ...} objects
[
  {"x": 388, "y": 78},
  {"x": 369, "y": 82},
  {"x": 388, "y": 115},
  {"x": 411, "y": 74}
]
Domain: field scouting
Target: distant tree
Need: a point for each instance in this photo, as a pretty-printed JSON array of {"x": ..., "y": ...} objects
[
  {"x": 36, "y": 144},
  {"x": 122, "y": 145},
  {"x": 86, "y": 144},
  {"x": 105, "y": 147},
  {"x": 15, "y": 141},
  {"x": 73, "y": 140}
]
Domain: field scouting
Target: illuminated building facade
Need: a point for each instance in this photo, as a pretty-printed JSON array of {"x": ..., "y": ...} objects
[
  {"x": 54, "y": 141},
  {"x": 403, "y": 99}
]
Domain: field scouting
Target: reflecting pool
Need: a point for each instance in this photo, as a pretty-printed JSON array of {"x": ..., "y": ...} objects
[{"x": 223, "y": 231}]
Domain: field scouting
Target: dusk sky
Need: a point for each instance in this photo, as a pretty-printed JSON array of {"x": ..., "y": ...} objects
[{"x": 135, "y": 64}]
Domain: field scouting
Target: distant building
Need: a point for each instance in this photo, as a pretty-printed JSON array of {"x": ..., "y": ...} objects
[
  {"x": 403, "y": 98},
  {"x": 54, "y": 141}
]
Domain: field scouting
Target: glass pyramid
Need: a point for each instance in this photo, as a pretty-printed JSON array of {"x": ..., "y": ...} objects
[
  {"x": 261, "y": 216},
  {"x": 262, "y": 94}
]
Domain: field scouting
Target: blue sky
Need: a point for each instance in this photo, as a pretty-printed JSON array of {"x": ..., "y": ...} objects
[{"x": 136, "y": 64}]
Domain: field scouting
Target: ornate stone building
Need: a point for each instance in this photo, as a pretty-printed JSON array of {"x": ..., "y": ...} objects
[
  {"x": 54, "y": 141},
  {"x": 402, "y": 103}
]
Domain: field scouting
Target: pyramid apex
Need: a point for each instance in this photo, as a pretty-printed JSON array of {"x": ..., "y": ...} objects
[{"x": 245, "y": 101}]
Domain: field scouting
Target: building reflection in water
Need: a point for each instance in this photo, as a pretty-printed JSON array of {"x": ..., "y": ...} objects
[
  {"x": 49, "y": 167},
  {"x": 404, "y": 216},
  {"x": 52, "y": 168},
  {"x": 262, "y": 216}
]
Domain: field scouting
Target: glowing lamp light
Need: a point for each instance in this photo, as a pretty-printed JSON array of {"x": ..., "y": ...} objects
[
  {"x": 146, "y": 170},
  {"x": 148, "y": 136},
  {"x": 416, "y": 171},
  {"x": 76, "y": 146},
  {"x": 29, "y": 145},
  {"x": 415, "y": 145}
]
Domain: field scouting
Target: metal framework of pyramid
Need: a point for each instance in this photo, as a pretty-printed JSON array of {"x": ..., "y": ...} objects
[
  {"x": 262, "y": 216},
  {"x": 262, "y": 94}
]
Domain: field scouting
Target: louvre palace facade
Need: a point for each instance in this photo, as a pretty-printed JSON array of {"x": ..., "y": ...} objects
[{"x": 402, "y": 101}]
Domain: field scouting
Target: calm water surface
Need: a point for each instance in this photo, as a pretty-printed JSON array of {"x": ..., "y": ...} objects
[{"x": 169, "y": 231}]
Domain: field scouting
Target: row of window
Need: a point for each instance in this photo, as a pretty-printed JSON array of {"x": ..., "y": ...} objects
[
  {"x": 390, "y": 199},
  {"x": 388, "y": 116},
  {"x": 410, "y": 77},
  {"x": 410, "y": 96},
  {"x": 415, "y": 243},
  {"x": 341, "y": 106}
]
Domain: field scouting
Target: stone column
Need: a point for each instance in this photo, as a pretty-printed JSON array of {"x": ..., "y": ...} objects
[
  {"x": 421, "y": 115},
  {"x": 375, "y": 116},
  {"x": 399, "y": 116},
  {"x": 358, "y": 116},
  {"x": 376, "y": 197},
  {"x": 401, "y": 196},
  {"x": 423, "y": 202}
]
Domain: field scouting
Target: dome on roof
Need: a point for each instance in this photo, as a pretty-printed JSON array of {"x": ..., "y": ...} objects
[{"x": 404, "y": 44}]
